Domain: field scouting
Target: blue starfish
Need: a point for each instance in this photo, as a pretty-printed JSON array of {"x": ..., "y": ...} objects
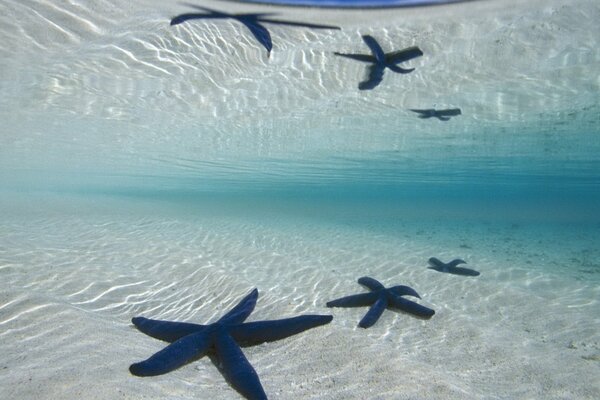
[
  {"x": 381, "y": 298},
  {"x": 442, "y": 115},
  {"x": 380, "y": 61},
  {"x": 250, "y": 20},
  {"x": 451, "y": 267},
  {"x": 192, "y": 341}
]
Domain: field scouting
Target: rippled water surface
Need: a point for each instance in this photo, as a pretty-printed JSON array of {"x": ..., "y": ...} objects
[{"x": 166, "y": 170}]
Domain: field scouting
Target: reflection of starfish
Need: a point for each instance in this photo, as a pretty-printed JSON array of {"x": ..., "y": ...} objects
[
  {"x": 192, "y": 341},
  {"x": 380, "y": 61},
  {"x": 251, "y": 21},
  {"x": 451, "y": 267},
  {"x": 442, "y": 115},
  {"x": 382, "y": 298}
]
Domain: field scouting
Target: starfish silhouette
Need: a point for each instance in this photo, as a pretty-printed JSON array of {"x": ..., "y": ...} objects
[
  {"x": 192, "y": 341},
  {"x": 380, "y": 61},
  {"x": 252, "y": 21},
  {"x": 442, "y": 115},
  {"x": 381, "y": 298},
  {"x": 451, "y": 267}
]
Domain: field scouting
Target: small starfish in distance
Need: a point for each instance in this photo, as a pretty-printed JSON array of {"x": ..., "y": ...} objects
[
  {"x": 380, "y": 61},
  {"x": 192, "y": 341},
  {"x": 252, "y": 21},
  {"x": 442, "y": 115},
  {"x": 451, "y": 267},
  {"x": 381, "y": 298}
]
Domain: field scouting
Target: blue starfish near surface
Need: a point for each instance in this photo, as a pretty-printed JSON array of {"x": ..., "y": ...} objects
[
  {"x": 381, "y": 298},
  {"x": 451, "y": 267},
  {"x": 224, "y": 337},
  {"x": 380, "y": 61},
  {"x": 252, "y": 21}
]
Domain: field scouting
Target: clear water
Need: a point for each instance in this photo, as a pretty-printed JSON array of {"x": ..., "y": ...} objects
[{"x": 157, "y": 170}]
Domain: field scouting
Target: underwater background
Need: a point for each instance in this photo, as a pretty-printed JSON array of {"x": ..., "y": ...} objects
[{"x": 166, "y": 170}]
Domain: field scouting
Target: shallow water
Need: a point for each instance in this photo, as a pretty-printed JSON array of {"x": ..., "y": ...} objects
[
  {"x": 75, "y": 272},
  {"x": 166, "y": 171}
]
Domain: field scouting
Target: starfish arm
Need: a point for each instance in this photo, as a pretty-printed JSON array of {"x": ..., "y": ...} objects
[
  {"x": 173, "y": 356},
  {"x": 397, "y": 57},
  {"x": 254, "y": 16},
  {"x": 375, "y": 77},
  {"x": 399, "y": 70},
  {"x": 356, "y": 300},
  {"x": 269, "y": 331},
  {"x": 451, "y": 112},
  {"x": 457, "y": 261},
  {"x": 374, "y": 312},
  {"x": 260, "y": 33},
  {"x": 242, "y": 310},
  {"x": 357, "y": 57},
  {"x": 166, "y": 330},
  {"x": 402, "y": 290},
  {"x": 411, "y": 307},
  {"x": 463, "y": 271},
  {"x": 425, "y": 113},
  {"x": 375, "y": 48},
  {"x": 186, "y": 17},
  {"x": 236, "y": 368},
  {"x": 300, "y": 24},
  {"x": 435, "y": 262},
  {"x": 224, "y": 14},
  {"x": 371, "y": 283}
]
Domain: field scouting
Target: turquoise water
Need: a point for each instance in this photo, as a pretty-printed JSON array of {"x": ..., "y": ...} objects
[{"x": 165, "y": 171}]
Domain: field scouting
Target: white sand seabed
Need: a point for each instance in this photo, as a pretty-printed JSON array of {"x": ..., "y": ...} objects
[{"x": 71, "y": 281}]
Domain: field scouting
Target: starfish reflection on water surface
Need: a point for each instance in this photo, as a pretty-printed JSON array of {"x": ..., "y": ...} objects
[
  {"x": 192, "y": 341},
  {"x": 381, "y": 298},
  {"x": 252, "y": 21},
  {"x": 380, "y": 61},
  {"x": 442, "y": 115}
]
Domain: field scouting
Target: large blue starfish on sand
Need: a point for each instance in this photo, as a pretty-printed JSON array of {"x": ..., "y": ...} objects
[
  {"x": 381, "y": 298},
  {"x": 192, "y": 341}
]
